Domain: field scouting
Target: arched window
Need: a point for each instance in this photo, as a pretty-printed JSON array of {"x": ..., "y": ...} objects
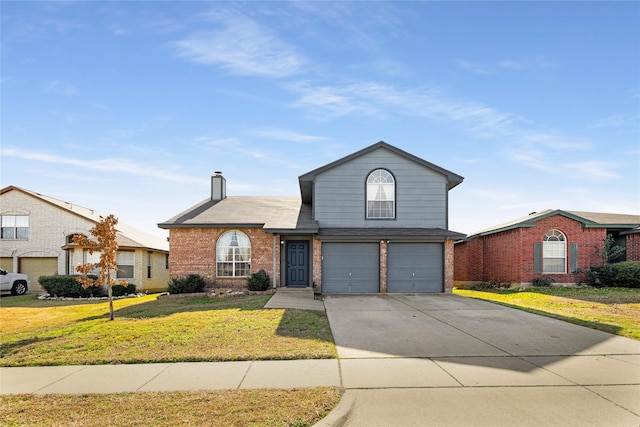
[
  {"x": 554, "y": 252},
  {"x": 233, "y": 255},
  {"x": 381, "y": 195}
]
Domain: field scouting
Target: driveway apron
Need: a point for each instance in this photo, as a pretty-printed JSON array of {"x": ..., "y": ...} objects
[{"x": 442, "y": 359}]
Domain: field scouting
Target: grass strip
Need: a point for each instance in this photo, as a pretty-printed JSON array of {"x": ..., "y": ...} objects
[{"x": 239, "y": 408}]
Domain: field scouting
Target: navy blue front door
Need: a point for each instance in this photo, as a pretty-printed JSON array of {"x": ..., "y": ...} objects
[{"x": 297, "y": 263}]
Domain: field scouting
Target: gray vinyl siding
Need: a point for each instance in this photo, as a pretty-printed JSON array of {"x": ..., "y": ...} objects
[{"x": 421, "y": 193}]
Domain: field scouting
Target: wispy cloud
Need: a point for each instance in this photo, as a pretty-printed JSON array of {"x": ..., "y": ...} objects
[
  {"x": 593, "y": 170},
  {"x": 476, "y": 68},
  {"x": 371, "y": 98},
  {"x": 241, "y": 46},
  {"x": 61, "y": 88},
  {"x": 618, "y": 121},
  {"x": 285, "y": 135},
  {"x": 124, "y": 166},
  {"x": 488, "y": 68}
]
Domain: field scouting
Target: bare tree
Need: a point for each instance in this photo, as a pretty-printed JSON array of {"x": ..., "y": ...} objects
[{"x": 106, "y": 244}]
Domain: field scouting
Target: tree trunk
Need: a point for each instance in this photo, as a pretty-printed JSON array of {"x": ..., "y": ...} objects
[{"x": 110, "y": 294}]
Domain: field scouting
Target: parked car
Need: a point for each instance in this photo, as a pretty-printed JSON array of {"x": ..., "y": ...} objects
[{"x": 17, "y": 283}]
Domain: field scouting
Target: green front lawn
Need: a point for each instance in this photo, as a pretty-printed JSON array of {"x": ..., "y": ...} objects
[
  {"x": 238, "y": 408},
  {"x": 148, "y": 330},
  {"x": 613, "y": 310}
]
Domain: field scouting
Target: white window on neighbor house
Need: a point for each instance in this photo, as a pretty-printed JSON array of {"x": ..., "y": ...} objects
[
  {"x": 381, "y": 195},
  {"x": 554, "y": 253},
  {"x": 126, "y": 262},
  {"x": 14, "y": 227},
  {"x": 93, "y": 258},
  {"x": 233, "y": 255}
]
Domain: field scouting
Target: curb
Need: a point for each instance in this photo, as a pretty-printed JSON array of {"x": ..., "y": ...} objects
[{"x": 340, "y": 414}]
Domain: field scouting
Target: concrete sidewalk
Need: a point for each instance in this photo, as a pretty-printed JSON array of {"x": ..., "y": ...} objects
[
  {"x": 170, "y": 377},
  {"x": 298, "y": 298}
]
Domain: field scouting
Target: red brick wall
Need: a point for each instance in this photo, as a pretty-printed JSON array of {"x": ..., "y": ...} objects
[
  {"x": 468, "y": 260},
  {"x": 633, "y": 247},
  {"x": 193, "y": 251},
  {"x": 448, "y": 265},
  {"x": 503, "y": 256},
  {"x": 586, "y": 238},
  {"x": 508, "y": 256}
]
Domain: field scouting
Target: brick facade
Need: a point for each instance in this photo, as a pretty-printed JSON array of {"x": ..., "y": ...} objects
[
  {"x": 633, "y": 247},
  {"x": 448, "y": 265},
  {"x": 193, "y": 251},
  {"x": 508, "y": 256},
  {"x": 383, "y": 266}
]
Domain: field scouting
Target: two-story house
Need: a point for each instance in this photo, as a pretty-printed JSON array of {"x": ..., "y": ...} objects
[
  {"x": 36, "y": 233},
  {"x": 373, "y": 221}
]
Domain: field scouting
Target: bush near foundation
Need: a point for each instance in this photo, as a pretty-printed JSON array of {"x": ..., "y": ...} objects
[
  {"x": 259, "y": 281},
  {"x": 189, "y": 284},
  {"x": 120, "y": 290},
  {"x": 67, "y": 286},
  {"x": 624, "y": 274}
]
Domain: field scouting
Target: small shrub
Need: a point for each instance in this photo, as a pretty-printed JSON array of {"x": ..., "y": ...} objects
[
  {"x": 491, "y": 284},
  {"x": 67, "y": 286},
  {"x": 189, "y": 284},
  {"x": 543, "y": 281},
  {"x": 624, "y": 274},
  {"x": 119, "y": 290},
  {"x": 259, "y": 281}
]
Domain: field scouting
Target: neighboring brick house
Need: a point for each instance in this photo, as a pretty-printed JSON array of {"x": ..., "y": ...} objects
[
  {"x": 553, "y": 243},
  {"x": 36, "y": 233},
  {"x": 373, "y": 221}
]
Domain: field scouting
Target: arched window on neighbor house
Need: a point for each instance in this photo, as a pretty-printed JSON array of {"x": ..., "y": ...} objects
[
  {"x": 554, "y": 253},
  {"x": 233, "y": 255},
  {"x": 381, "y": 195}
]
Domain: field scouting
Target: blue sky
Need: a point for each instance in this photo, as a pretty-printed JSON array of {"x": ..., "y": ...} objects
[{"x": 130, "y": 107}]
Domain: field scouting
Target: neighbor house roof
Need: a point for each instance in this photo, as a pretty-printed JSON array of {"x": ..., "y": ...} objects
[
  {"x": 127, "y": 236},
  {"x": 307, "y": 179},
  {"x": 587, "y": 219},
  {"x": 273, "y": 213}
]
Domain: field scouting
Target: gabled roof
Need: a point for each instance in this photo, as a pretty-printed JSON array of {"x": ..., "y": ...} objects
[
  {"x": 307, "y": 179},
  {"x": 127, "y": 236},
  {"x": 587, "y": 219},
  {"x": 273, "y": 213}
]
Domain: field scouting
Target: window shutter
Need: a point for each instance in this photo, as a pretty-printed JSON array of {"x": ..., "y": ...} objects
[
  {"x": 573, "y": 266},
  {"x": 537, "y": 258}
]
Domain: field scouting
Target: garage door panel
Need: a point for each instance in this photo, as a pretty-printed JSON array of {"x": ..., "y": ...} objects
[
  {"x": 350, "y": 267},
  {"x": 36, "y": 267},
  {"x": 415, "y": 267}
]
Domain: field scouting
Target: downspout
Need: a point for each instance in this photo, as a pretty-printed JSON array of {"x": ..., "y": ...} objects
[{"x": 274, "y": 260}]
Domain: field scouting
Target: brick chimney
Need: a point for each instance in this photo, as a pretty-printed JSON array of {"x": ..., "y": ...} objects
[{"x": 218, "y": 187}]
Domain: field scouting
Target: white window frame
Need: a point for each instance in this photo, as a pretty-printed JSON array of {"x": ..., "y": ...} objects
[
  {"x": 233, "y": 255},
  {"x": 554, "y": 247},
  {"x": 122, "y": 258},
  {"x": 14, "y": 227},
  {"x": 381, "y": 191}
]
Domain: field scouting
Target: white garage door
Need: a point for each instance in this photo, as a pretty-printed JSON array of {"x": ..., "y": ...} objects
[
  {"x": 415, "y": 267},
  {"x": 350, "y": 267}
]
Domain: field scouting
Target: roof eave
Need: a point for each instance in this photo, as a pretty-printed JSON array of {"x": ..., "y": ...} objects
[{"x": 168, "y": 226}]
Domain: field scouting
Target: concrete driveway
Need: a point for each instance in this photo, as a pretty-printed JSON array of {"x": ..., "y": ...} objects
[{"x": 441, "y": 359}]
